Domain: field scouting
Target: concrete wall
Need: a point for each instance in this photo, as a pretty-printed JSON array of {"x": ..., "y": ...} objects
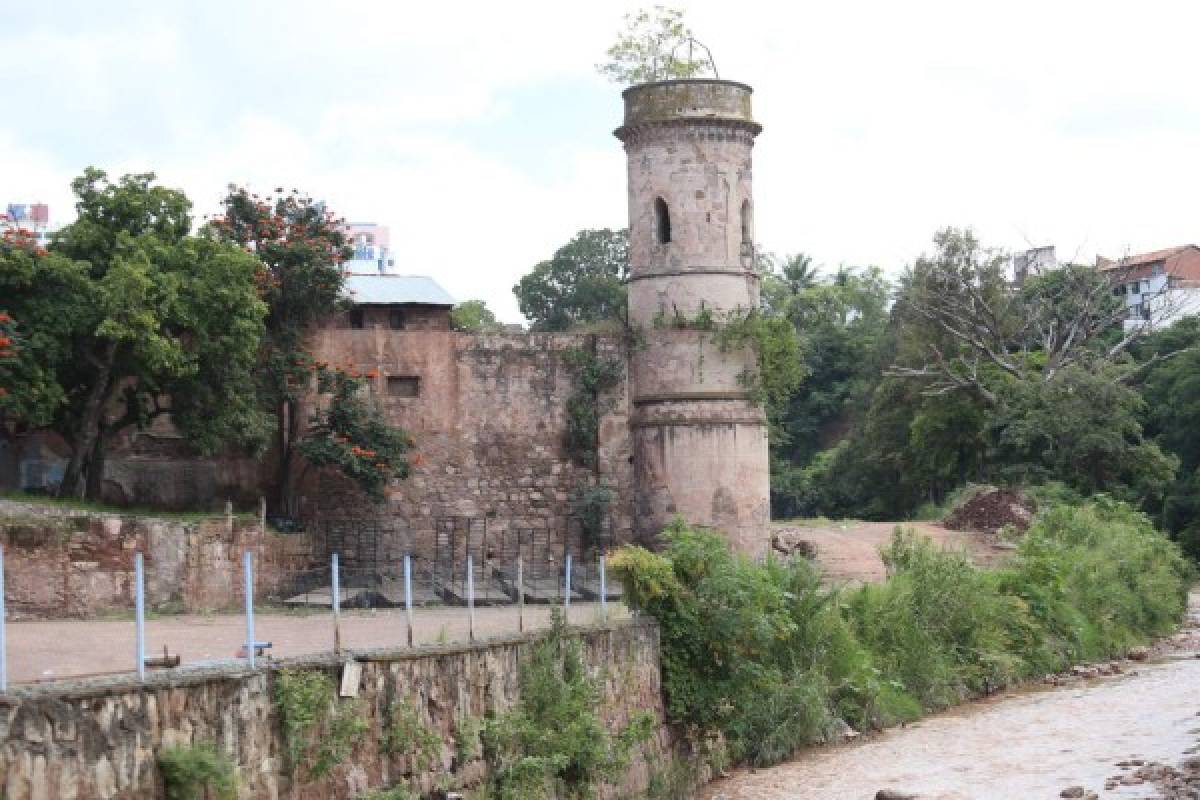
[
  {"x": 78, "y": 564},
  {"x": 100, "y": 739},
  {"x": 489, "y": 424}
]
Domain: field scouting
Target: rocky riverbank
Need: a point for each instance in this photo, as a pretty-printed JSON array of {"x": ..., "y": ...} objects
[{"x": 1127, "y": 729}]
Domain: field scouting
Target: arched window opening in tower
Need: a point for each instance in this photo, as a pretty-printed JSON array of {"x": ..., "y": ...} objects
[
  {"x": 662, "y": 219},
  {"x": 747, "y": 224}
]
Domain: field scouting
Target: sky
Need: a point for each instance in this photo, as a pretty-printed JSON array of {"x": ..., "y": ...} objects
[{"x": 481, "y": 133}]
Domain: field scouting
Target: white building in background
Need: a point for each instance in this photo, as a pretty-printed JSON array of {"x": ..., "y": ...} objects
[
  {"x": 372, "y": 249},
  {"x": 1034, "y": 261},
  {"x": 34, "y": 217},
  {"x": 1158, "y": 287}
]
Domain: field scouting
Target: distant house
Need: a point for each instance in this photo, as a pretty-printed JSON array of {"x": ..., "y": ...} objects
[
  {"x": 1158, "y": 287},
  {"x": 395, "y": 302}
]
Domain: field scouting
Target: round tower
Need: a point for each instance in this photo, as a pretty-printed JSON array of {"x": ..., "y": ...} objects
[{"x": 699, "y": 438}]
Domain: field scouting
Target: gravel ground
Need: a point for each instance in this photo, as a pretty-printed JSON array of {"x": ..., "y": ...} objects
[{"x": 51, "y": 649}]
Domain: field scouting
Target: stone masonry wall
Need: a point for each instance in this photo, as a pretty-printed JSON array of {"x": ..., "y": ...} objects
[
  {"x": 61, "y": 563},
  {"x": 100, "y": 739},
  {"x": 488, "y": 421}
]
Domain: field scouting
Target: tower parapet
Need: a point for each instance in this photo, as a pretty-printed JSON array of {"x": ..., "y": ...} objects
[{"x": 699, "y": 438}]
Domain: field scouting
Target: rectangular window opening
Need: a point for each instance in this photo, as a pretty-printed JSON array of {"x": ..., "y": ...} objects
[{"x": 403, "y": 386}]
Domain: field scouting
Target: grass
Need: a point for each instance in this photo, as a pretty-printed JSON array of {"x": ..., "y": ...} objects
[
  {"x": 94, "y": 507},
  {"x": 815, "y": 522}
]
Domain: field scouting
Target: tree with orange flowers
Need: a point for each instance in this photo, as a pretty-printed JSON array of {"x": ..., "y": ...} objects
[
  {"x": 350, "y": 435},
  {"x": 300, "y": 246}
]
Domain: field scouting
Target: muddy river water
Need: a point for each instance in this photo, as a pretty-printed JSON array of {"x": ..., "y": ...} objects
[{"x": 1023, "y": 745}]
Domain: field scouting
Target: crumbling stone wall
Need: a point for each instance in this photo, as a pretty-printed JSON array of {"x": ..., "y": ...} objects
[
  {"x": 61, "y": 563},
  {"x": 99, "y": 739},
  {"x": 489, "y": 420}
]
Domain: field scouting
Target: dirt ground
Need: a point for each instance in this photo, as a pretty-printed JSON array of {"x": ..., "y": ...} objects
[
  {"x": 54, "y": 649},
  {"x": 848, "y": 551}
]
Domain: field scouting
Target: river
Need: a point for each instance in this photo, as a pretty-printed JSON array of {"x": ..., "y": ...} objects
[{"x": 1029, "y": 744}]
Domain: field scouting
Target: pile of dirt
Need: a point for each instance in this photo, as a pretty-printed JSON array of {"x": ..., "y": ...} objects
[{"x": 991, "y": 509}]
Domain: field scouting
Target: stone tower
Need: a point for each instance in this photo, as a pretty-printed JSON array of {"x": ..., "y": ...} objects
[{"x": 699, "y": 439}]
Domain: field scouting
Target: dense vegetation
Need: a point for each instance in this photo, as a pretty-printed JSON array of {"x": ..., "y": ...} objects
[
  {"x": 127, "y": 315},
  {"x": 955, "y": 375},
  {"x": 766, "y": 656}
]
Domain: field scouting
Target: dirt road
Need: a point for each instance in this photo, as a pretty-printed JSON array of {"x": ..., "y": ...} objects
[
  {"x": 50, "y": 649},
  {"x": 849, "y": 551}
]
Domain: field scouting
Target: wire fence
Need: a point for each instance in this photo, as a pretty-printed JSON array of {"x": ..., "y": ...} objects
[{"x": 402, "y": 602}]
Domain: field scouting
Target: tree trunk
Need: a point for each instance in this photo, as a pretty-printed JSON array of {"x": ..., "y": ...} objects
[
  {"x": 94, "y": 486},
  {"x": 288, "y": 433},
  {"x": 89, "y": 423}
]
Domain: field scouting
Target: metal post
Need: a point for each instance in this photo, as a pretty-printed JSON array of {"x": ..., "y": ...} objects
[
  {"x": 567, "y": 586},
  {"x": 408, "y": 596},
  {"x": 139, "y": 580},
  {"x": 248, "y": 571},
  {"x": 3, "y": 640},
  {"x": 471, "y": 597},
  {"x": 337, "y": 605},
  {"x": 520, "y": 594},
  {"x": 603, "y": 591}
]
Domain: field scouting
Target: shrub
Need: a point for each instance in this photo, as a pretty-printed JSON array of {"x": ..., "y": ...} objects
[
  {"x": 767, "y": 657},
  {"x": 197, "y": 772},
  {"x": 316, "y": 727},
  {"x": 553, "y": 744}
]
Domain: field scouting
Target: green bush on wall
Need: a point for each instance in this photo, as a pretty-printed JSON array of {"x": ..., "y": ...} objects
[{"x": 197, "y": 772}]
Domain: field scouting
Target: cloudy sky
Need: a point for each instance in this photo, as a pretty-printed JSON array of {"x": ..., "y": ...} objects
[{"x": 481, "y": 133}]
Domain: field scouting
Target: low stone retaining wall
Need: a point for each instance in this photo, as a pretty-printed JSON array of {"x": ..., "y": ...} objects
[
  {"x": 63, "y": 563},
  {"x": 100, "y": 738}
]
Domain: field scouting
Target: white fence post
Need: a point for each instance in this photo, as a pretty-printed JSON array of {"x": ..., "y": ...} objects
[
  {"x": 603, "y": 590},
  {"x": 139, "y": 580},
  {"x": 408, "y": 610},
  {"x": 520, "y": 594},
  {"x": 567, "y": 586},
  {"x": 3, "y": 639},
  {"x": 337, "y": 605},
  {"x": 470, "y": 598},
  {"x": 248, "y": 572}
]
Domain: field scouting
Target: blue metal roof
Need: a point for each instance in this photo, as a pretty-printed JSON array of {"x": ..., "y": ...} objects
[{"x": 392, "y": 289}]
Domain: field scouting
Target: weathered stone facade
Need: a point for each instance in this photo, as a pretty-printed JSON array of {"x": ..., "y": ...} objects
[
  {"x": 488, "y": 416},
  {"x": 699, "y": 438},
  {"x": 78, "y": 564},
  {"x": 100, "y": 739}
]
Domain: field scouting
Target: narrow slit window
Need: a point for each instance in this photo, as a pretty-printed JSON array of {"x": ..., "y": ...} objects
[
  {"x": 747, "y": 224},
  {"x": 397, "y": 319},
  {"x": 662, "y": 220},
  {"x": 356, "y": 317}
]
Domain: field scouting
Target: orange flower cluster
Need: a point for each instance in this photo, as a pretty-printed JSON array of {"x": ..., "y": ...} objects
[
  {"x": 24, "y": 239},
  {"x": 361, "y": 453}
]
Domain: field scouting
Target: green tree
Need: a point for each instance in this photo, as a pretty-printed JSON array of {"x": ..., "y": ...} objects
[
  {"x": 130, "y": 318},
  {"x": 300, "y": 246},
  {"x": 473, "y": 316},
  {"x": 839, "y": 323},
  {"x": 655, "y": 45},
  {"x": 583, "y": 282},
  {"x": 350, "y": 435},
  {"x": 1171, "y": 391}
]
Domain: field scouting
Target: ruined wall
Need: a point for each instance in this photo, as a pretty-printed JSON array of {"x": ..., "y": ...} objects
[
  {"x": 488, "y": 419},
  {"x": 151, "y": 468},
  {"x": 79, "y": 564},
  {"x": 100, "y": 738}
]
